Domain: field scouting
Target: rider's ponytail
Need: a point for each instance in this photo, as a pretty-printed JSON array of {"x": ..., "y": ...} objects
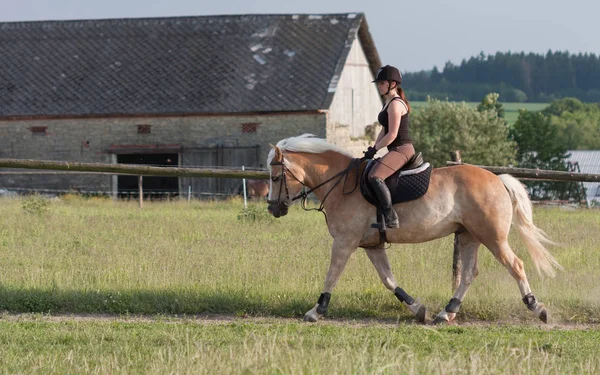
[{"x": 403, "y": 96}]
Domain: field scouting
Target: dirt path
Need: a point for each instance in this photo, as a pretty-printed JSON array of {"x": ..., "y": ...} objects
[{"x": 228, "y": 319}]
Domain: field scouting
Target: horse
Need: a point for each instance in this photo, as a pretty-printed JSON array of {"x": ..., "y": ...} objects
[
  {"x": 258, "y": 188},
  {"x": 470, "y": 202}
]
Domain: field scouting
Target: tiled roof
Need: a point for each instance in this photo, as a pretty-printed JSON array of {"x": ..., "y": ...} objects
[
  {"x": 589, "y": 162},
  {"x": 177, "y": 65}
]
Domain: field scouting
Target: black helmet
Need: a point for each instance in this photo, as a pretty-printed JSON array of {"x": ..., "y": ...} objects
[{"x": 388, "y": 73}]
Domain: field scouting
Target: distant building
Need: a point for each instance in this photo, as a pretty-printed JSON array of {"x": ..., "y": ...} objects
[
  {"x": 188, "y": 91},
  {"x": 588, "y": 162}
]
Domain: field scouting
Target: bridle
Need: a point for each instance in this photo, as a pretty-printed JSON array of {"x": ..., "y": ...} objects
[
  {"x": 343, "y": 175},
  {"x": 283, "y": 183}
]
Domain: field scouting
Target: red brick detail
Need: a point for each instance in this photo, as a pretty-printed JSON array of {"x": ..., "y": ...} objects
[
  {"x": 250, "y": 127},
  {"x": 144, "y": 129},
  {"x": 40, "y": 130}
]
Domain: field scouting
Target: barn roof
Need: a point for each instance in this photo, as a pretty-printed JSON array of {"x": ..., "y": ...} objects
[
  {"x": 589, "y": 162},
  {"x": 176, "y": 65}
]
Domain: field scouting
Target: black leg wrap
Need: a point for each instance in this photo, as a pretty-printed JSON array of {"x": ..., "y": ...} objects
[
  {"x": 323, "y": 303},
  {"x": 403, "y": 296},
  {"x": 530, "y": 301},
  {"x": 453, "y": 306}
]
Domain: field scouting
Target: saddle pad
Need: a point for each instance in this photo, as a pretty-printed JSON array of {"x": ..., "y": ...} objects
[{"x": 404, "y": 185}]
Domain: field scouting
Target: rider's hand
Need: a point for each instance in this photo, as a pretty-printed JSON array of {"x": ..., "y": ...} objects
[{"x": 370, "y": 153}]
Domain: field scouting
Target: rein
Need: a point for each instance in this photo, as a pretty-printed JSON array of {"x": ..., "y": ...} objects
[{"x": 343, "y": 175}]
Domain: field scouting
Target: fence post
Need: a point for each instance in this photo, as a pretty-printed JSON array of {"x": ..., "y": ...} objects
[
  {"x": 189, "y": 192},
  {"x": 456, "y": 261},
  {"x": 141, "y": 191},
  {"x": 244, "y": 187},
  {"x": 455, "y": 156}
]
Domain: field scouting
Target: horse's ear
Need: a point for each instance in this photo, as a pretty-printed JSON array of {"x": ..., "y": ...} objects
[{"x": 278, "y": 155}]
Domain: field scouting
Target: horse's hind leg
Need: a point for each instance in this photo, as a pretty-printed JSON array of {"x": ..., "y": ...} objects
[
  {"x": 381, "y": 262},
  {"x": 507, "y": 257},
  {"x": 468, "y": 248}
]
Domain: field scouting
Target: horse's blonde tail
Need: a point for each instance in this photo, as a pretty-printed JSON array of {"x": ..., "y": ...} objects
[{"x": 534, "y": 237}]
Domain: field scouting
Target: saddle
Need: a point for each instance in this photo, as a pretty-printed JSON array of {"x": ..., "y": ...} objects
[{"x": 408, "y": 183}]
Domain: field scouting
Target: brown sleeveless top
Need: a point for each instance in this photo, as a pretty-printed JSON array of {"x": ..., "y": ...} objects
[{"x": 403, "y": 136}]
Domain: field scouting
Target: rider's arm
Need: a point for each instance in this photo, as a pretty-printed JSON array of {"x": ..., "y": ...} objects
[{"x": 381, "y": 134}]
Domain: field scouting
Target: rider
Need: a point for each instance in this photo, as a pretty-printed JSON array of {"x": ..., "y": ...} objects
[{"x": 394, "y": 135}]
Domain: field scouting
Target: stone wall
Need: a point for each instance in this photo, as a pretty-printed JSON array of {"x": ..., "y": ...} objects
[{"x": 97, "y": 140}]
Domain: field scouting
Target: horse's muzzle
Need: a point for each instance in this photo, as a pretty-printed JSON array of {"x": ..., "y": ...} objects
[{"x": 277, "y": 209}]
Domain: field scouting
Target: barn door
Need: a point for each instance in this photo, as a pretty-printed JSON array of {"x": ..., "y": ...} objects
[{"x": 218, "y": 157}]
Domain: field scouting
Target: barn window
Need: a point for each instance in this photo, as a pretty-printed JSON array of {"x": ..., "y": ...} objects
[
  {"x": 38, "y": 130},
  {"x": 144, "y": 129},
  {"x": 250, "y": 127}
]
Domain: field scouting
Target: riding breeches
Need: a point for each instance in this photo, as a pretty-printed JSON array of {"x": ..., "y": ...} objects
[{"x": 395, "y": 159}]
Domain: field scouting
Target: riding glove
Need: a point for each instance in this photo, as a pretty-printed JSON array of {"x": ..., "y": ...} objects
[{"x": 370, "y": 153}]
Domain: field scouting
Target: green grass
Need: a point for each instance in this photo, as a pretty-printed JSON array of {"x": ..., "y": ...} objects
[
  {"x": 511, "y": 110},
  {"x": 93, "y": 256},
  {"x": 274, "y": 347},
  {"x": 170, "y": 262}
]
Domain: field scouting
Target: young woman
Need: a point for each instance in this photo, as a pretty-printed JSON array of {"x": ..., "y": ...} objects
[{"x": 394, "y": 135}]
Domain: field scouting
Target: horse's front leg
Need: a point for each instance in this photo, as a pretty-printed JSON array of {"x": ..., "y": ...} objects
[
  {"x": 381, "y": 262},
  {"x": 340, "y": 253}
]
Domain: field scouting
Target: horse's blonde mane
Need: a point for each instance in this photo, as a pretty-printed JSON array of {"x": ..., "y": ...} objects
[{"x": 305, "y": 143}]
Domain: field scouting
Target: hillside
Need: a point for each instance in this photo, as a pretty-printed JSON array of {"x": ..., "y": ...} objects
[{"x": 517, "y": 77}]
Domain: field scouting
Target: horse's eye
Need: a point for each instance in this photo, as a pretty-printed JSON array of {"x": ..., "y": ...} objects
[{"x": 275, "y": 178}]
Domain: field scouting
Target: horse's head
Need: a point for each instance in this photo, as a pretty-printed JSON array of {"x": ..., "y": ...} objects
[
  {"x": 285, "y": 182},
  {"x": 258, "y": 188}
]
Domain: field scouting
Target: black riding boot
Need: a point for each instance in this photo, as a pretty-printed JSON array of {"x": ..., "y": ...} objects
[{"x": 385, "y": 200}]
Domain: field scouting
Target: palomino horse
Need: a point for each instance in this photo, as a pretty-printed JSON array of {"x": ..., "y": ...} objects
[
  {"x": 471, "y": 202},
  {"x": 258, "y": 188}
]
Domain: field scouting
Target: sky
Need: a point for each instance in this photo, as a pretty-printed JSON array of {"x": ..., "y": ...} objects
[{"x": 411, "y": 35}]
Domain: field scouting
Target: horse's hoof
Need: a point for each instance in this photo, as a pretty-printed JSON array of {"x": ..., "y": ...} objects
[
  {"x": 541, "y": 312},
  {"x": 544, "y": 315},
  {"x": 309, "y": 318},
  {"x": 418, "y": 310},
  {"x": 421, "y": 314},
  {"x": 440, "y": 320}
]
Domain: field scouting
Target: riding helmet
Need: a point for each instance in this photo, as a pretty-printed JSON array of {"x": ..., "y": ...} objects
[{"x": 388, "y": 73}]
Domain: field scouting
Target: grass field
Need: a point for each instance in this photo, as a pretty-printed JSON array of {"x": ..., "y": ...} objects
[
  {"x": 511, "y": 110},
  {"x": 271, "y": 346},
  {"x": 96, "y": 286}
]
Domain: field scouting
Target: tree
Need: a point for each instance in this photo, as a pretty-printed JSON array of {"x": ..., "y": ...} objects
[
  {"x": 557, "y": 107},
  {"x": 442, "y": 127},
  {"x": 435, "y": 75},
  {"x": 578, "y": 130},
  {"x": 537, "y": 140},
  {"x": 540, "y": 146},
  {"x": 577, "y": 123},
  {"x": 490, "y": 103},
  {"x": 517, "y": 77}
]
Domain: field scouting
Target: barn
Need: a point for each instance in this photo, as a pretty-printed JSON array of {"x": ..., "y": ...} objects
[
  {"x": 587, "y": 161},
  {"x": 180, "y": 91}
]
